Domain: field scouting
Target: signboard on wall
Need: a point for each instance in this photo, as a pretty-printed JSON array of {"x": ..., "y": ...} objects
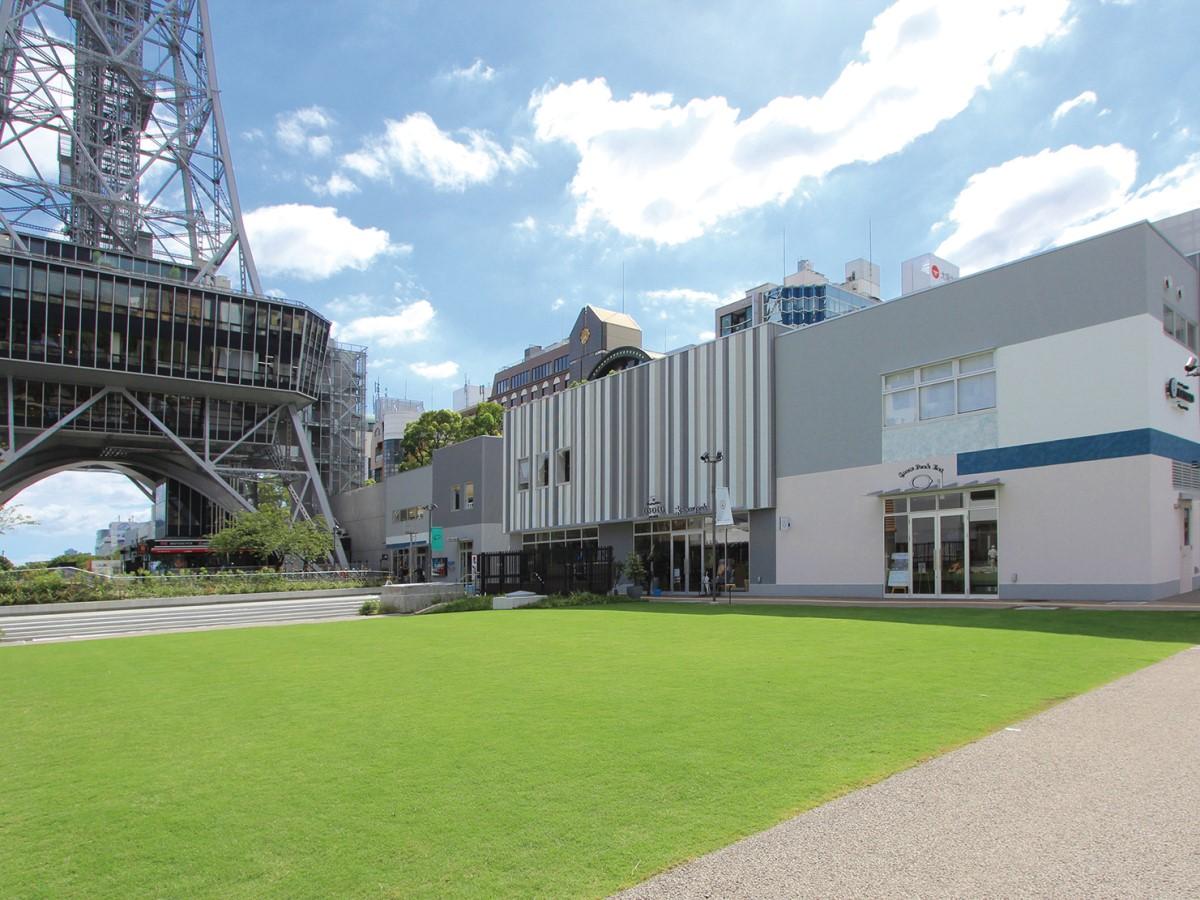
[
  {"x": 438, "y": 569},
  {"x": 436, "y": 540}
]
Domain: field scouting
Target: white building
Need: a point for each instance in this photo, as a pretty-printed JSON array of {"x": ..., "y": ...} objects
[{"x": 469, "y": 395}]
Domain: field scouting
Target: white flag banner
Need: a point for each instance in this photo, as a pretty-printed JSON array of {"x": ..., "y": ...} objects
[{"x": 724, "y": 509}]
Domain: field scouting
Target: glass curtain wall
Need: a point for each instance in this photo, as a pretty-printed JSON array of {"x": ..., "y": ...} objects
[
  {"x": 56, "y": 313},
  {"x": 677, "y": 553}
]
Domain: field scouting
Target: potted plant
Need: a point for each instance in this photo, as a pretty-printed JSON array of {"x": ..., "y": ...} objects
[{"x": 634, "y": 570}]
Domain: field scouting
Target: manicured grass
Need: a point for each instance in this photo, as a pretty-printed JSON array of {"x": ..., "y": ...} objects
[{"x": 528, "y": 753}]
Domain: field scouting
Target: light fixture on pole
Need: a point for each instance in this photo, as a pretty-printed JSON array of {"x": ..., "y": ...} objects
[{"x": 711, "y": 460}]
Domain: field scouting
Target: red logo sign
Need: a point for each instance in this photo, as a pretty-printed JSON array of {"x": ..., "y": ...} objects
[{"x": 935, "y": 272}]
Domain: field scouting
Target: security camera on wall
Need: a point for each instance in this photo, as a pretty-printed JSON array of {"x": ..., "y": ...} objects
[{"x": 1191, "y": 365}]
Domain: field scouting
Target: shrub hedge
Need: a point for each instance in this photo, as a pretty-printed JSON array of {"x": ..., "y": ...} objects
[{"x": 17, "y": 587}]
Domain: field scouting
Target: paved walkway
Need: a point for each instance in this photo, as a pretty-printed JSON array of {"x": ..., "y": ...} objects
[
  {"x": 1097, "y": 797},
  {"x": 1189, "y": 602}
]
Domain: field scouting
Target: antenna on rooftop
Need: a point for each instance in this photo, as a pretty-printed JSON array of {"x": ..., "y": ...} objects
[{"x": 870, "y": 250}]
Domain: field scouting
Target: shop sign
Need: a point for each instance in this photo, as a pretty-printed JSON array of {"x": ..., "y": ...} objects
[
  {"x": 435, "y": 539},
  {"x": 653, "y": 509},
  {"x": 701, "y": 510},
  {"x": 923, "y": 475}
]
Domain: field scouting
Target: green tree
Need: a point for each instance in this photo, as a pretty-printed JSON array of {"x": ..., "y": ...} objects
[
  {"x": 71, "y": 557},
  {"x": 488, "y": 419},
  {"x": 268, "y": 533},
  {"x": 434, "y": 430}
]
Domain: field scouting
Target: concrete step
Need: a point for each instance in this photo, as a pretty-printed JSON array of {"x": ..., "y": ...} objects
[{"x": 100, "y": 624}]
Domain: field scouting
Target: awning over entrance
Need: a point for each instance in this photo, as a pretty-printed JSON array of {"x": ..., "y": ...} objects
[
  {"x": 950, "y": 486},
  {"x": 403, "y": 545}
]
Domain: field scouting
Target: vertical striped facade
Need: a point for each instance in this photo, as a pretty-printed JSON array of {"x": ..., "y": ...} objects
[{"x": 638, "y": 435}]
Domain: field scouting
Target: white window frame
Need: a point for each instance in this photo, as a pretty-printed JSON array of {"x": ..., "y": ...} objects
[
  {"x": 469, "y": 494},
  {"x": 563, "y": 453},
  {"x": 524, "y": 472},
  {"x": 917, "y": 378}
]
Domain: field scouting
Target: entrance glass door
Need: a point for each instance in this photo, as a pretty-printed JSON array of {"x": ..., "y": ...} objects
[
  {"x": 952, "y": 573},
  {"x": 679, "y": 563},
  {"x": 924, "y": 551},
  {"x": 939, "y": 554},
  {"x": 942, "y": 545},
  {"x": 695, "y": 560}
]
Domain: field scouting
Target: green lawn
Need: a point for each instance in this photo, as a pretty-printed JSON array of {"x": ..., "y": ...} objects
[{"x": 529, "y": 753}]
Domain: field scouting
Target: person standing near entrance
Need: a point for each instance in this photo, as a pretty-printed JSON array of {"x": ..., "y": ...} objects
[{"x": 706, "y": 582}]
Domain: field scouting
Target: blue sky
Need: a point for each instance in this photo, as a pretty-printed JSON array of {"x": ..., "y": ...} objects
[{"x": 450, "y": 182}]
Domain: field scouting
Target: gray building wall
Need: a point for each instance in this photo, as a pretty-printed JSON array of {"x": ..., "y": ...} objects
[
  {"x": 361, "y": 513},
  {"x": 457, "y": 465},
  {"x": 829, "y": 405},
  {"x": 403, "y": 490},
  {"x": 763, "y": 523},
  {"x": 639, "y": 434}
]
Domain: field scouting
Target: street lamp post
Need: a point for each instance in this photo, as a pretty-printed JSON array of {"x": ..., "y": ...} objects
[
  {"x": 711, "y": 460},
  {"x": 427, "y": 510},
  {"x": 410, "y": 555}
]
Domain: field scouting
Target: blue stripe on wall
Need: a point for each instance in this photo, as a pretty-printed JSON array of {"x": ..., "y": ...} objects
[{"x": 1115, "y": 444}]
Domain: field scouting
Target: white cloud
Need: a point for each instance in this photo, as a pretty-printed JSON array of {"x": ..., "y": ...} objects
[
  {"x": 1087, "y": 98},
  {"x": 435, "y": 371},
  {"x": 304, "y": 131},
  {"x": 686, "y": 297},
  {"x": 418, "y": 148},
  {"x": 409, "y": 324},
  {"x": 558, "y": 304},
  {"x": 658, "y": 170},
  {"x": 335, "y": 185},
  {"x": 313, "y": 242},
  {"x": 1031, "y": 203},
  {"x": 69, "y": 508},
  {"x": 476, "y": 71},
  {"x": 528, "y": 225},
  {"x": 706, "y": 336}
]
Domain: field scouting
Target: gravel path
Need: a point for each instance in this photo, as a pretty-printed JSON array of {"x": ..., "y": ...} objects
[{"x": 1097, "y": 797}]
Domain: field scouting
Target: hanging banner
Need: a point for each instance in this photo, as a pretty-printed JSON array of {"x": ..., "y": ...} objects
[
  {"x": 435, "y": 539},
  {"x": 724, "y": 508}
]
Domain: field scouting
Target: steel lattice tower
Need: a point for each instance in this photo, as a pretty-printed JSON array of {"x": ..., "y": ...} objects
[
  {"x": 121, "y": 348},
  {"x": 116, "y": 139}
]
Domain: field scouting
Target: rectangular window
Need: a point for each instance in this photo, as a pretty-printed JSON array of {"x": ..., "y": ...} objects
[
  {"x": 900, "y": 408},
  {"x": 543, "y": 470},
  {"x": 1168, "y": 320},
  {"x": 937, "y": 400},
  {"x": 469, "y": 490},
  {"x": 563, "y": 473},
  {"x": 977, "y": 392},
  {"x": 456, "y": 497},
  {"x": 523, "y": 474},
  {"x": 940, "y": 390}
]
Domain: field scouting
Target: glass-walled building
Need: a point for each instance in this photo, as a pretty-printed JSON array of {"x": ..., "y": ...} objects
[{"x": 65, "y": 305}]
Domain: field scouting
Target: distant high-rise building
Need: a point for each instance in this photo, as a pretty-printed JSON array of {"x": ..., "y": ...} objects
[
  {"x": 392, "y": 416},
  {"x": 601, "y": 341},
  {"x": 805, "y": 298},
  {"x": 469, "y": 395}
]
